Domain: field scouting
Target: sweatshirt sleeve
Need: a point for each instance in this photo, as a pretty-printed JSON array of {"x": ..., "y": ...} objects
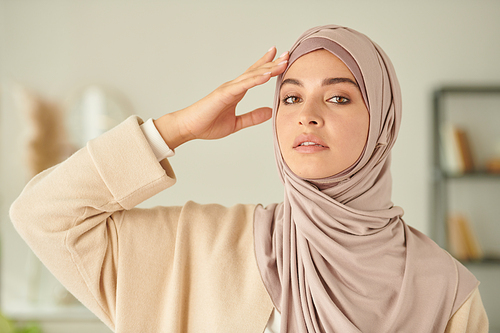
[
  {"x": 155, "y": 140},
  {"x": 70, "y": 215},
  {"x": 470, "y": 317}
]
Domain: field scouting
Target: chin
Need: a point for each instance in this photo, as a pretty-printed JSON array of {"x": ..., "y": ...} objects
[{"x": 307, "y": 174}]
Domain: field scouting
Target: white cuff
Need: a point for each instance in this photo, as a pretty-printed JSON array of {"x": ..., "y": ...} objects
[{"x": 155, "y": 140}]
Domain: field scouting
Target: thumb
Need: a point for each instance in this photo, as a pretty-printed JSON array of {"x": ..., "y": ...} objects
[{"x": 255, "y": 117}]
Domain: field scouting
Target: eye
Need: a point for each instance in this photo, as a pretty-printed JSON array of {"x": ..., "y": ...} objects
[
  {"x": 287, "y": 100},
  {"x": 339, "y": 100}
]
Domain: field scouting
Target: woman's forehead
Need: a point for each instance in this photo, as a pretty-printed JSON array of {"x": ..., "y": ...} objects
[
  {"x": 312, "y": 44},
  {"x": 318, "y": 64}
]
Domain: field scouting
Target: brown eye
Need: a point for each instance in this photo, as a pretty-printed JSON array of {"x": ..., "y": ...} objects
[
  {"x": 290, "y": 100},
  {"x": 339, "y": 100}
]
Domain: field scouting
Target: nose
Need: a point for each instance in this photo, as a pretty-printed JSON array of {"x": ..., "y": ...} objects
[{"x": 310, "y": 115}]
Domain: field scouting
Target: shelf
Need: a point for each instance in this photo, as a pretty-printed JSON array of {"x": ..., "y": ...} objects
[
  {"x": 468, "y": 89},
  {"x": 486, "y": 260},
  {"x": 472, "y": 175},
  {"x": 440, "y": 175},
  {"x": 25, "y": 311}
]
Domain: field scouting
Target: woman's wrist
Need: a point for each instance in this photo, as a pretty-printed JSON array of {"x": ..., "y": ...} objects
[
  {"x": 155, "y": 140},
  {"x": 168, "y": 127}
]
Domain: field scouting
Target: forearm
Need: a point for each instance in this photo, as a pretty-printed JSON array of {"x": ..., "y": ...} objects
[
  {"x": 169, "y": 129},
  {"x": 66, "y": 213},
  {"x": 115, "y": 171}
]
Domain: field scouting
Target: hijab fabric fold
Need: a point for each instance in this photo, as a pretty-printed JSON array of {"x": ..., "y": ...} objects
[{"x": 336, "y": 255}]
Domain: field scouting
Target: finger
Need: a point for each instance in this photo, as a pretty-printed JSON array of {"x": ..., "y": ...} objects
[
  {"x": 283, "y": 57},
  {"x": 272, "y": 68},
  {"x": 255, "y": 117},
  {"x": 244, "y": 83},
  {"x": 269, "y": 56}
]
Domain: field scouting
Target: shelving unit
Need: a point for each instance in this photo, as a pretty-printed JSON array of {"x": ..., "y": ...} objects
[
  {"x": 474, "y": 193},
  {"x": 441, "y": 177}
]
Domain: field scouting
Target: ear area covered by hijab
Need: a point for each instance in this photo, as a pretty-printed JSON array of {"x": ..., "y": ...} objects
[{"x": 336, "y": 255}]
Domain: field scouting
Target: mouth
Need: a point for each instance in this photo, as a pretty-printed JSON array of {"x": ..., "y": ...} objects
[
  {"x": 309, "y": 143},
  {"x": 309, "y": 140}
]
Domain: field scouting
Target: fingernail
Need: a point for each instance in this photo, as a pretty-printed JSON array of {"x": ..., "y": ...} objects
[
  {"x": 283, "y": 62},
  {"x": 272, "y": 48},
  {"x": 284, "y": 54}
]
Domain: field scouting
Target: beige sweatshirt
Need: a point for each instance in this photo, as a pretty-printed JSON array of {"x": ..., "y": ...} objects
[{"x": 165, "y": 269}]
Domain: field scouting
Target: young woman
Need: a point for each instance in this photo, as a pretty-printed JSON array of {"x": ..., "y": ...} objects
[{"x": 334, "y": 256}]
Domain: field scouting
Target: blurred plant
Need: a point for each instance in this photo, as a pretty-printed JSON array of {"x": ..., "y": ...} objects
[
  {"x": 7, "y": 326},
  {"x": 46, "y": 142}
]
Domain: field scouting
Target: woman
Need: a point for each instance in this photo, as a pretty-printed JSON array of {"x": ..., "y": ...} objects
[{"x": 334, "y": 256}]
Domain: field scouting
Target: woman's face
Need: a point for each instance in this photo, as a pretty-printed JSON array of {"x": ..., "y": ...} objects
[{"x": 322, "y": 121}]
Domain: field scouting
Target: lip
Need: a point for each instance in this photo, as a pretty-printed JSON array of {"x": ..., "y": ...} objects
[{"x": 319, "y": 145}]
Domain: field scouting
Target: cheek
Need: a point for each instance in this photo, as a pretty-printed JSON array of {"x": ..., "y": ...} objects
[
  {"x": 280, "y": 129},
  {"x": 284, "y": 137},
  {"x": 364, "y": 127},
  {"x": 359, "y": 132},
  {"x": 351, "y": 133}
]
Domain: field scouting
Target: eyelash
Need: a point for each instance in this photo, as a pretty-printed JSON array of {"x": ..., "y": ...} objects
[
  {"x": 285, "y": 99},
  {"x": 346, "y": 100},
  {"x": 337, "y": 98}
]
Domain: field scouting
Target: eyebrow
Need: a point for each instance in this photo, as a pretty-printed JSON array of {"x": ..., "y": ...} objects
[{"x": 326, "y": 82}]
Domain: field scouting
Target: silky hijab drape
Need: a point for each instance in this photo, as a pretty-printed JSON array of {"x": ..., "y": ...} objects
[{"x": 336, "y": 255}]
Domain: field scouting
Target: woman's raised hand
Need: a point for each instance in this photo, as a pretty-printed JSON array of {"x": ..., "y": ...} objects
[{"x": 214, "y": 117}]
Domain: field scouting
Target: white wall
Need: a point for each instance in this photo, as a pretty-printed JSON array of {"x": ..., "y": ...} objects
[{"x": 164, "y": 55}]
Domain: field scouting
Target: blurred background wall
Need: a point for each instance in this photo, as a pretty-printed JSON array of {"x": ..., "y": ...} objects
[{"x": 160, "y": 56}]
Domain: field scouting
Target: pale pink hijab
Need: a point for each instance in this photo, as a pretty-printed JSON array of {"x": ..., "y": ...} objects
[{"x": 336, "y": 255}]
